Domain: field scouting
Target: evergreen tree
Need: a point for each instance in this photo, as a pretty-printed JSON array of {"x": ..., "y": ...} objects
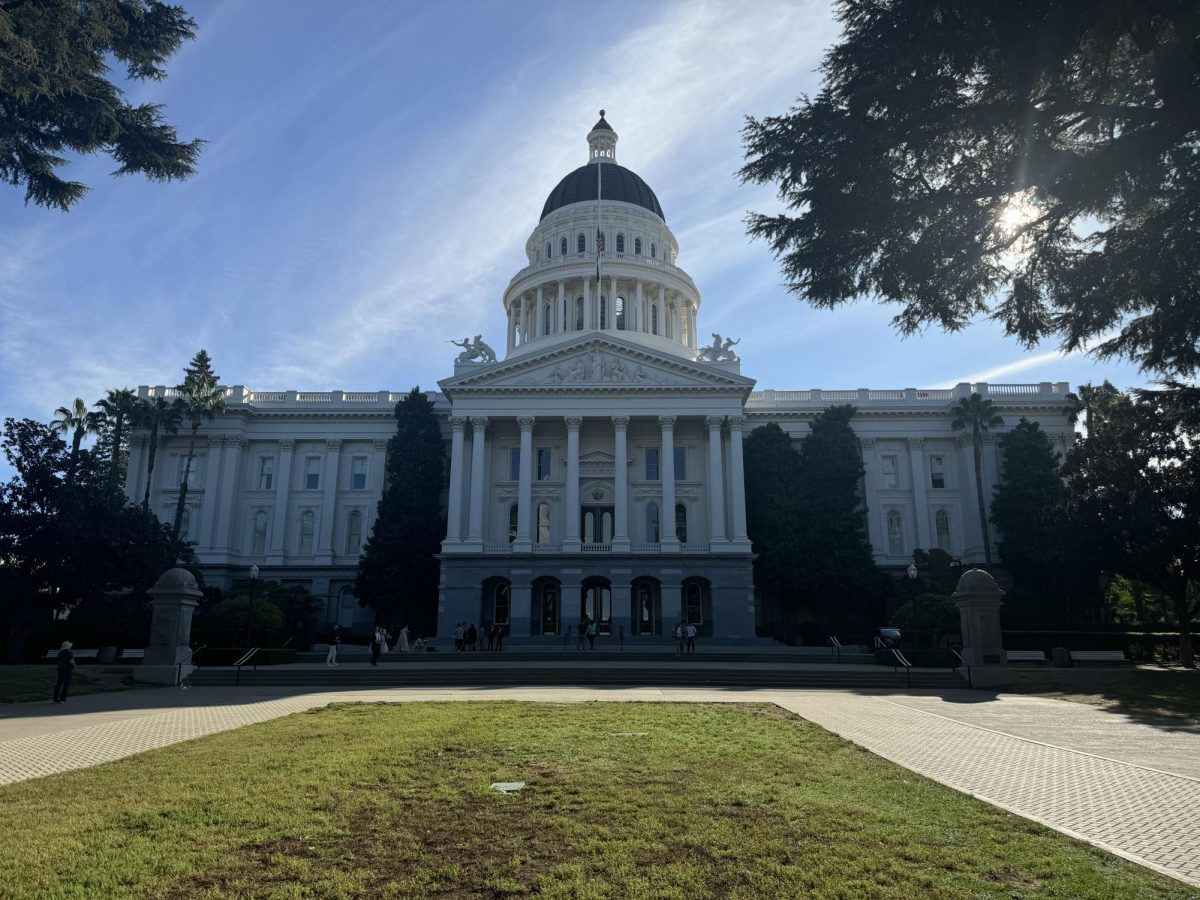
[
  {"x": 1028, "y": 505},
  {"x": 398, "y": 573},
  {"x": 56, "y": 95},
  {"x": 203, "y": 398},
  {"x": 772, "y": 471}
]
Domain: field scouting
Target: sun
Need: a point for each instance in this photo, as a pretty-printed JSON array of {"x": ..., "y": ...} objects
[{"x": 1015, "y": 243}]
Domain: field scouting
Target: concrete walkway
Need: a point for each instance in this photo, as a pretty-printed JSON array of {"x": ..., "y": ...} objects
[{"x": 1131, "y": 786}]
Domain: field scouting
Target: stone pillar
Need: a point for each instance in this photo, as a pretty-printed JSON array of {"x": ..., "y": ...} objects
[
  {"x": 475, "y": 515},
  {"x": 571, "y": 506},
  {"x": 231, "y": 468},
  {"x": 662, "y": 311},
  {"x": 539, "y": 319},
  {"x": 511, "y": 330},
  {"x": 457, "y": 477},
  {"x": 376, "y": 484},
  {"x": 622, "y": 609},
  {"x": 210, "y": 494},
  {"x": 972, "y": 536},
  {"x": 639, "y": 311},
  {"x": 521, "y": 615},
  {"x": 329, "y": 486},
  {"x": 173, "y": 600},
  {"x": 667, "y": 538},
  {"x": 560, "y": 314},
  {"x": 737, "y": 478},
  {"x": 587, "y": 303},
  {"x": 612, "y": 303},
  {"x": 620, "y": 541},
  {"x": 524, "y": 541},
  {"x": 916, "y": 459},
  {"x": 135, "y": 470},
  {"x": 279, "y": 516},
  {"x": 716, "y": 482},
  {"x": 978, "y": 599}
]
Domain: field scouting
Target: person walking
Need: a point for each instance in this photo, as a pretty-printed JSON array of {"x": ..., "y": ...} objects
[
  {"x": 376, "y": 646},
  {"x": 459, "y": 635},
  {"x": 66, "y": 668},
  {"x": 334, "y": 642},
  {"x": 499, "y": 637},
  {"x": 491, "y": 633},
  {"x": 402, "y": 640},
  {"x": 591, "y": 635},
  {"x": 691, "y": 638},
  {"x": 581, "y": 633},
  {"x": 472, "y": 636},
  {"x": 679, "y": 638}
]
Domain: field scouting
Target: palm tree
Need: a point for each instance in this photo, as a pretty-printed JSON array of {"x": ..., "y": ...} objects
[
  {"x": 80, "y": 422},
  {"x": 1093, "y": 402},
  {"x": 202, "y": 397},
  {"x": 161, "y": 416},
  {"x": 120, "y": 406},
  {"x": 976, "y": 413}
]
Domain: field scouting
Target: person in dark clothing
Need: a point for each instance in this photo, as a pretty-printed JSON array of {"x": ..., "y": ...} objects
[
  {"x": 66, "y": 668},
  {"x": 376, "y": 646},
  {"x": 491, "y": 634},
  {"x": 472, "y": 636},
  {"x": 581, "y": 630},
  {"x": 499, "y": 638}
]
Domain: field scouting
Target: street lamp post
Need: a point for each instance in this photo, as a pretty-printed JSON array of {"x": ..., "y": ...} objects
[
  {"x": 250, "y": 606},
  {"x": 912, "y": 579}
]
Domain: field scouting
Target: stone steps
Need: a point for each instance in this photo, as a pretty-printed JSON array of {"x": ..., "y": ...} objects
[{"x": 817, "y": 656}]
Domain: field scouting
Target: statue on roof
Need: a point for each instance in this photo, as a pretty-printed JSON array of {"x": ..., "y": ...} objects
[
  {"x": 474, "y": 350},
  {"x": 719, "y": 351}
]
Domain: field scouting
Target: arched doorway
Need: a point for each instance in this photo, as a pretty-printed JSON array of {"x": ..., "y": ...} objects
[
  {"x": 646, "y": 613},
  {"x": 496, "y": 608},
  {"x": 547, "y": 606},
  {"x": 697, "y": 604},
  {"x": 595, "y": 604}
]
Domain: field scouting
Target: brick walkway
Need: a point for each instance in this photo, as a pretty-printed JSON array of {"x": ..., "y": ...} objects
[{"x": 1131, "y": 787}]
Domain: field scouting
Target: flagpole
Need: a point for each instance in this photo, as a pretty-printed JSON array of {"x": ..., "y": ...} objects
[{"x": 599, "y": 232}]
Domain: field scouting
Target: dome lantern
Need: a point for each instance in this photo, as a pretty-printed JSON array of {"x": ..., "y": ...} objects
[{"x": 602, "y": 142}]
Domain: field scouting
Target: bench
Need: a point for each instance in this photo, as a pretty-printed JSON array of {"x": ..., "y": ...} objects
[
  {"x": 132, "y": 654},
  {"x": 1102, "y": 657},
  {"x": 79, "y": 654},
  {"x": 1027, "y": 656}
]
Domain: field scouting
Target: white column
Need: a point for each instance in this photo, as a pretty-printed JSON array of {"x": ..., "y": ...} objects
[
  {"x": 206, "y": 527},
  {"x": 524, "y": 318},
  {"x": 539, "y": 319},
  {"x": 329, "y": 485},
  {"x": 612, "y": 303},
  {"x": 991, "y": 478},
  {"x": 716, "y": 482},
  {"x": 282, "y": 489},
  {"x": 135, "y": 469},
  {"x": 620, "y": 539},
  {"x": 639, "y": 323},
  {"x": 662, "y": 312},
  {"x": 916, "y": 460},
  {"x": 457, "y": 477},
  {"x": 230, "y": 478},
  {"x": 670, "y": 543},
  {"x": 560, "y": 313},
  {"x": 475, "y": 515},
  {"x": 871, "y": 483},
  {"x": 511, "y": 330},
  {"x": 524, "y": 541},
  {"x": 972, "y": 535},
  {"x": 587, "y": 303},
  {"x": 737, "y": 476},
  {"x": 571, "y": 510}
]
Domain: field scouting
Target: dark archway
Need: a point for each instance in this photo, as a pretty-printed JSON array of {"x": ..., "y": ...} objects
[
  {"x": 645, "y": 614},
  {"x": 495, "y": 603},
  {"x": 595, "y": 603},
  {"x": 697, "y": 604},
  {"x": 546, "y": 616}
]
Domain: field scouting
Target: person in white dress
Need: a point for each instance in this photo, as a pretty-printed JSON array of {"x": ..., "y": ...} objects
[{"x": 402, "y": 640}]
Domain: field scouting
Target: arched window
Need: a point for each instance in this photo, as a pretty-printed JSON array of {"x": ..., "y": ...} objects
[
  {"x": 653, "y": 251},
  {"x": 549, "y": 249},
  {"x": 501, "y": 602},
  {"x": 562, "y": 247},
  {"x": 693, "y": 603},
  {"x": 354, "y": 523},
  {"x": 581, "y": 243},
  {"x": 652, "y": 536},
  {"x": 620, "y": 243},
  {"x": 512, "y": 523},
  {"x": 941, "y": 520},
  {"x": 654, "y": 319},
  {"x": 543, "y": 523},
  {"x": 637, "y": 246},
  {"x": 681, "y": 523},
  {"x": 895, "y": 533},
  {"x": 606, "y": 526},
  {"x": 589, "y": 527},
  {"x": 620, "y": 313},
  {"x": 347, "y": 604},
  {"x": 547, "y": 315},
  {"x": 308, "y": 521},
  {"x": 259, "y": 545}
]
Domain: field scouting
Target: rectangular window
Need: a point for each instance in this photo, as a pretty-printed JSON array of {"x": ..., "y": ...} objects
[
  {"x": 937, "y": 471},
  {"x": 891, "y": 471},
  {"x": 514, "y": 464},
  {"x": 266, "y": 473},
  {"x": 543, "y": 463},
  {"x": 358, "y": 473},
  {"x": 191, "y": 472},
  {"x": 680, "y": 463},
  {"x": 652, "y": 464},
  {"x": 312, "y": 473}
]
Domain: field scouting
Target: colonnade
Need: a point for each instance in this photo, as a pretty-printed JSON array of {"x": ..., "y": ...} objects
[
  {"x": 719, "y": 464},
  {"x": 649, "y": 308}
]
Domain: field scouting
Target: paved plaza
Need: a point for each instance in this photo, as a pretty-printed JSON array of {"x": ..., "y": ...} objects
[{"x": 1131, "y": 786}]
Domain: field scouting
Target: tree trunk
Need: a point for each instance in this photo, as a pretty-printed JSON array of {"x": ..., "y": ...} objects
[
  {"x": 1183, "y": 614},
  {"x": 983, "y": 525},
  {"x": 115, "y": 462},
  {"x": 75, "y": 442},
  {"x": 183, "y": 483},
  {"x": 150, "y": 465}
]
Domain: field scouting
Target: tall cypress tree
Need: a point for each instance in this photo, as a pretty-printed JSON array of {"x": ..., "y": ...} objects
[{"x": 398, "y": 572}]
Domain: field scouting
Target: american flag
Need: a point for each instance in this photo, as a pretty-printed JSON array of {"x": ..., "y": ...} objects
[{"x": 599, "y": 241}]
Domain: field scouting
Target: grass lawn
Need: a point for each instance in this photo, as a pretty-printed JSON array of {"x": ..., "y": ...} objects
[
  {"x": 1174, "y": 693},
  {"x": 621, "y": 800},
  {"x": 19, "y": 684}
]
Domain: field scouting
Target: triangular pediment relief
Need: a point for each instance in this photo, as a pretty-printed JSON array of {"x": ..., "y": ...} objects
[{"x": 596, "y": 363}]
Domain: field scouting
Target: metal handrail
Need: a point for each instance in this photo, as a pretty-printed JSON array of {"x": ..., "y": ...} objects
[
  {"x": 837, "y": 647},
  {"x": 963, "y": 665},
  {"x": 244, "y": 661},
  {"x": 179, "y": 665},
  {"x": 902, "y": 660}
]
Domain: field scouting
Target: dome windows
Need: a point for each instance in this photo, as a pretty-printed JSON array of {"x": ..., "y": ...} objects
[
  {"x": 637, "y": 246},
  {"x": 620, "y": 243},
  {"x": 581, "y": 243},
  {"x": 653, "y": 251},
  {"x": 562, "y": 247},
  {"x": 549, "y": 249}
]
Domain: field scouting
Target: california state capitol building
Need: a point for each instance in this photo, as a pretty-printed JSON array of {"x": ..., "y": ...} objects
[{"x": 596, "y": 464}]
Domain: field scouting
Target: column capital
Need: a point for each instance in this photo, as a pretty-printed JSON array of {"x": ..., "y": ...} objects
[
  {"x": 479, "y": 423},
  {"x": 381, "y": 446},
  {"x": 287, "y": 445},
  {"x": 667, "y": 421},
  {"x": 916, "y": 443},
  {"x": 573, "y": 422},
  {"x": 868, "y": 443},
  {"x": 714, "y": 422},
  {"x": 458, "y": 423},
  {"x": 736, "y": 422},
  {"x": 526, "y": 422},
  {"x": 620, "y": 422},
  {"x": 333, "y": 445}
]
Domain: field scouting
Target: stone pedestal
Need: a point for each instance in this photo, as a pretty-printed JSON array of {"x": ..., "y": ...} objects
[
  {"x": 978, "y": 599},
  {"x": 173, "y": 601}
]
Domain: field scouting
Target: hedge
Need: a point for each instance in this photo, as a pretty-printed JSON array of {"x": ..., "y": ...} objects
[
  {"x": 928, "y": 659},
  {"x": 227, "y": 656},
  {"x": 1143, "y": 646}
]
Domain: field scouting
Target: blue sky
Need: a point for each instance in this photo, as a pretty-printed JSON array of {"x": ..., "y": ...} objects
[{"x": 372, "y": 172}]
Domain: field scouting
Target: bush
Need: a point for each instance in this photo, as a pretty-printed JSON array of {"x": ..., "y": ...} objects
[
  {"x": 1142, "y": 646},
  {"x": 227, "y": 656},
  {"x": 928, "y": 659},
  {"x": 225, "y": 623}
]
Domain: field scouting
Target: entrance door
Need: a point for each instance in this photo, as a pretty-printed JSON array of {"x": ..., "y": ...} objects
[
  {"x": 596, "y": 605},
  {"x": 645, "y": 609},
  {"x": 596, "y": 524},
  {"x": 550, "y": 610}
]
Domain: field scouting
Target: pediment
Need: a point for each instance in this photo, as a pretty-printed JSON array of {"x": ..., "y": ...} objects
[{"x": 594, "y": 363}]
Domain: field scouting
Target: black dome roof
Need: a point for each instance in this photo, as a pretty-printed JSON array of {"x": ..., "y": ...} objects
[{"x": 619, "y": 184}]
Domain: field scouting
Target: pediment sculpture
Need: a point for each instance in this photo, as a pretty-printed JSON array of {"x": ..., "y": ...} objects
[
  {"x": 474, "y": 350},
  {"x": 719, "y": 351}
]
